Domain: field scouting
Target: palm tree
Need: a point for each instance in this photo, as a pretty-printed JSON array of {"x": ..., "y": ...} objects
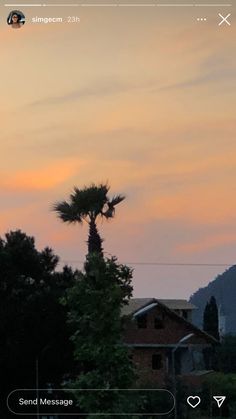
[{"x": 87, "y": 205}]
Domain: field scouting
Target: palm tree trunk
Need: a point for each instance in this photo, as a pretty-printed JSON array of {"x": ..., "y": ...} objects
[{"x": 94, "y": 239}]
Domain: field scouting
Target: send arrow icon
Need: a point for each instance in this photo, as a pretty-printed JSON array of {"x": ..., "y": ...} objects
[{"x": 219, "y": 400}]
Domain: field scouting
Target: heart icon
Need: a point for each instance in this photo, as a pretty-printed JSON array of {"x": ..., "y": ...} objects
[{"x": 193, "y": 401}]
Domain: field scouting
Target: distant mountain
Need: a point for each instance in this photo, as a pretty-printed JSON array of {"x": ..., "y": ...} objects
[{"x": 223, "y": 287}]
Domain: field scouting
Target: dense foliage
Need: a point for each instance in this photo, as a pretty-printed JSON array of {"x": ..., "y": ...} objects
[
  {"x": 32, "y": 320},
  {"x": 94, "y": 305},
  {"x": 226, "y": 355}
]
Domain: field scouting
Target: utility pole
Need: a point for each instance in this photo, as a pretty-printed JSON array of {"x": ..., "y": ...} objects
[
  {"x": 37, "y": 385},
  {"x": 211, "y": 407},
  {"x": 39, "y": 357}
]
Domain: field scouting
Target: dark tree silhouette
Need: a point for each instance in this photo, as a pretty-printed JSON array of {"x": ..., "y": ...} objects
[
  {"x": 33, "y": 321},
  {"x": 211, "y": 318},
  {"x": 87, "y": 205}
]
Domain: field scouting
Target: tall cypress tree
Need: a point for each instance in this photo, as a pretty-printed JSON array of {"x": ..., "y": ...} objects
[{"x": 211, "y": 318}]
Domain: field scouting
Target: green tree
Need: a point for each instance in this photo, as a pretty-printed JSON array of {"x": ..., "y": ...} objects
[
  {"x": 225, "y": 355},
  {"x": 33, "y": 321},
  {"x": 211, "y": 318},
  {"x": 220, "y": 384},
  {"x": 94, "y": 306},
  {"x": 87, "y": 205}
]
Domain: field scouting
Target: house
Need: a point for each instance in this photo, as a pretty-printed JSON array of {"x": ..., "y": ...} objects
[
  {"x": 181, "y": 307},
  {"x": 159, "y": 334}
]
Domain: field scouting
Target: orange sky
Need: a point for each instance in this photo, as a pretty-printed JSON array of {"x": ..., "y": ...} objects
[{"x": 142, "y": 98}]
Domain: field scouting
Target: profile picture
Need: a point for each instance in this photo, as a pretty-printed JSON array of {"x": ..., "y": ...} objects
[{"x": 16, "y": 19}]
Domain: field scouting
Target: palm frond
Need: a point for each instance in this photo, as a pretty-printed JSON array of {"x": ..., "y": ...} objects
[
  {"x": 67, "y": 213},
  {"x": 110, "y": 211},
  {"x": 116, "y": 200},
  {"x": 90, "y": 200},
  {"x": 88, "y": 203}
]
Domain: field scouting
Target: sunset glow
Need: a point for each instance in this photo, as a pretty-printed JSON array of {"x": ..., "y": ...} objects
[{"x": 146, "y": 106}]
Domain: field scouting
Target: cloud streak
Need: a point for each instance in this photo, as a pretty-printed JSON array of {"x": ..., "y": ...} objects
[
  {"x": 99, "y": 89},
  {"x": 43, "y": 178}
]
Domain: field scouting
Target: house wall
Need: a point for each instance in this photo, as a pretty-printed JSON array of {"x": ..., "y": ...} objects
[
  {"x": 142, "y": 358},
  {"x": 174, "y": 329}
]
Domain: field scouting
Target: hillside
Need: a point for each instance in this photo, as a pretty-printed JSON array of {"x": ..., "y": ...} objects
[{"x": 223, "y": 287}]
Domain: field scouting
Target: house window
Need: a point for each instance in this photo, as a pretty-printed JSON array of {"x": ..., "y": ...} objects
[
  {"x": 185, "y": 314},
  {"x": 142, "y": 321},
  {"x": 158, "y": 322},
  {"x": 156, "y": 362}
]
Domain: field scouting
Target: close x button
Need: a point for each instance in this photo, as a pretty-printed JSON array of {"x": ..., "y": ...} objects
[{"x": 224, "y": 19}]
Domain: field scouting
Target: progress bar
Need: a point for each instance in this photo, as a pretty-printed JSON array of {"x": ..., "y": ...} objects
[{"x": 117, "y": 5}]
